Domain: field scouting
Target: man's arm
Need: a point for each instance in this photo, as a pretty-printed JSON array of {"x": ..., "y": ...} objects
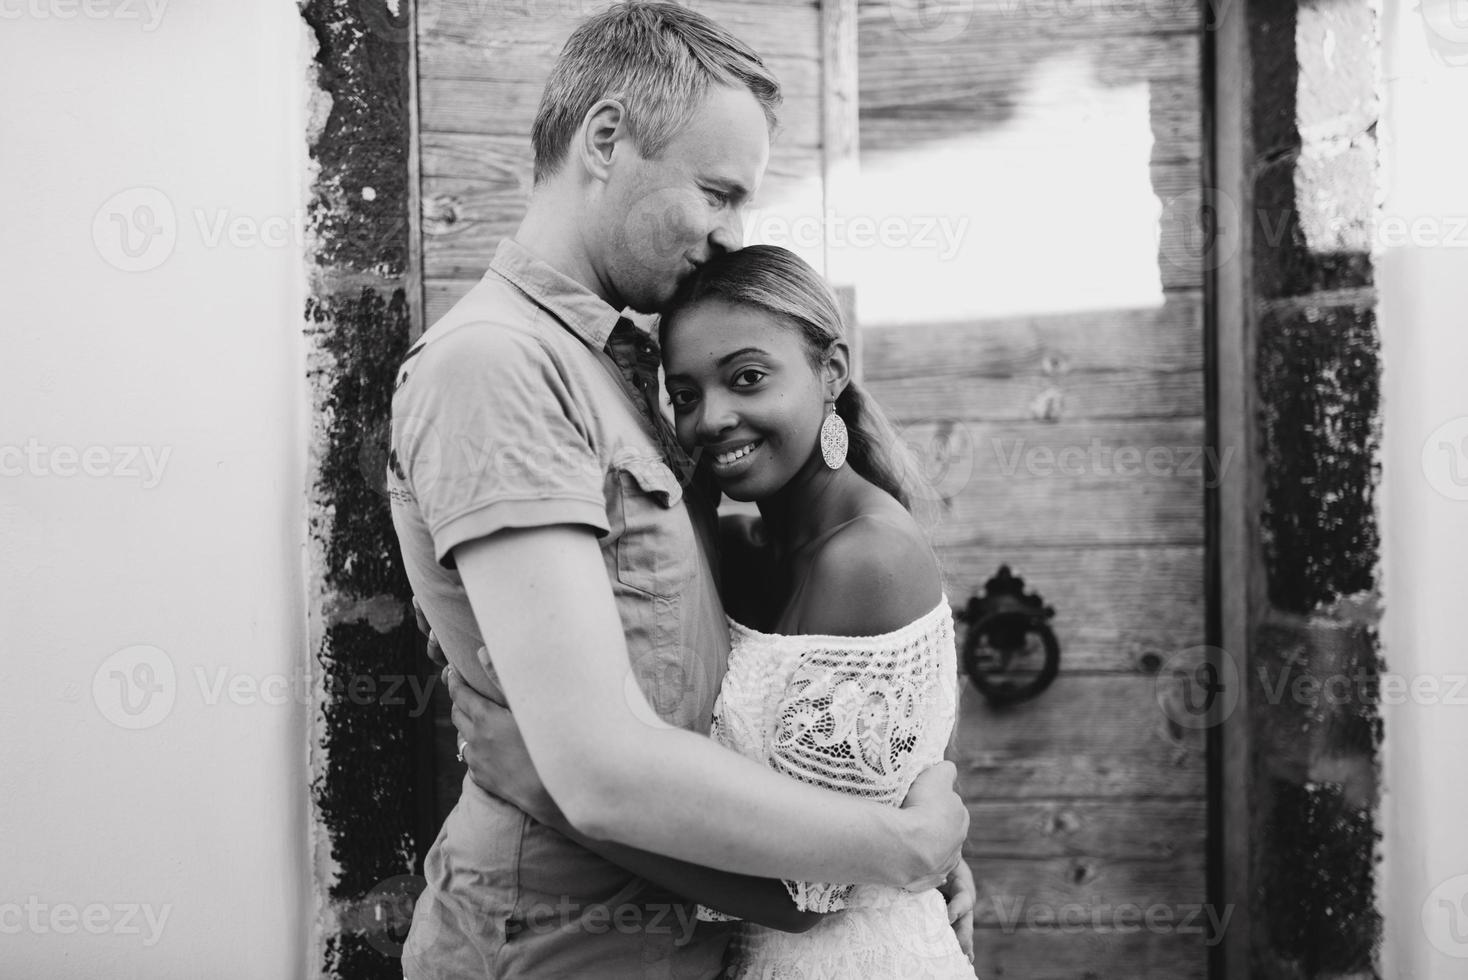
[
  {"x": 618, "y": 772},
  {"x": 491, "y": 745}
]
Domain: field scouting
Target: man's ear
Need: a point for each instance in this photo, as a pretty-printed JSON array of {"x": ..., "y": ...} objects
[
  {"x": 603, "y": 128},
  {"x": 836, "y": 370}
]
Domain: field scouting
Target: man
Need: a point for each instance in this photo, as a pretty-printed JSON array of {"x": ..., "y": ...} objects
[{"x": 538, "y": 502}]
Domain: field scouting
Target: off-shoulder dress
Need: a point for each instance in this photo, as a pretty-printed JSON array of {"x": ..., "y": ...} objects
[{"x": 862, "y": 715}]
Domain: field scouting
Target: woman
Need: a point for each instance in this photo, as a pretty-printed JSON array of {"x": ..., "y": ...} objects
[{"x": 842, "y": 670}]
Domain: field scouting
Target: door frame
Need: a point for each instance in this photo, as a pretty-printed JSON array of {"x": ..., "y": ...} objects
[
  {"x": 1231, "y": 506},
  {"x": 1232, "y": 573}
]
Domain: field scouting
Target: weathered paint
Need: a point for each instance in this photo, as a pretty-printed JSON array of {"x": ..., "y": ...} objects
[
  {"x": 1314, "y": 660},
  {"x": 365, "y": 788},
  {"x": 1318, "y": 373},
  {"x": 1319, "y": 902}
]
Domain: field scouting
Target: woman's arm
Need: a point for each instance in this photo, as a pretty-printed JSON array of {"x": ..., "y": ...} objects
[{"x": 499, "y": 763}]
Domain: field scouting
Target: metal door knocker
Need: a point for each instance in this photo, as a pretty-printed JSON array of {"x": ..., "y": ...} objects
[{"x": 999, "y": 628}]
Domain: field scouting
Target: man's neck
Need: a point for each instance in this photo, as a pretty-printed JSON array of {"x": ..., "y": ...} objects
[{"x": 552, "y": 230}]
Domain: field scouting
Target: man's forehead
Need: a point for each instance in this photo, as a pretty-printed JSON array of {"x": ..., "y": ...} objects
[{"x": 729, "y": 138}]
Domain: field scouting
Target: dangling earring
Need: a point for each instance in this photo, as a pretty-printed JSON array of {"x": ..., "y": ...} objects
[{"x": 833, "y": 440}]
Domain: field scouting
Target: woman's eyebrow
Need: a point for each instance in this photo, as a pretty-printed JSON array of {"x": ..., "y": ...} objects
[
  {"x": 721, "y": 362},
  {"x": 740, "y": 353}
]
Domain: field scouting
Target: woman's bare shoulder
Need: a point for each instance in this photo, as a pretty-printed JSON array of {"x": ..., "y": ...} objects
[{"x": 876, "y": 574}]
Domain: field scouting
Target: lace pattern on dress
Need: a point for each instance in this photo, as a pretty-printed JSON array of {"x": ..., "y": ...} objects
[{"x": 861, "y": 715}]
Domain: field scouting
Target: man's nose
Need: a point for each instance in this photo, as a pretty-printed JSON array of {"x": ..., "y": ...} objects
[{"x": 728, "y": 235}]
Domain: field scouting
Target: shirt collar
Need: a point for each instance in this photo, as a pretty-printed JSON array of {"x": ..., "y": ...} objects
[{"x": 580, "y": 310}]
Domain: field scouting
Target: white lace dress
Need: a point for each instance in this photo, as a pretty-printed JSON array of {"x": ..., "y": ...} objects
[{"x": 862, "y": 715}]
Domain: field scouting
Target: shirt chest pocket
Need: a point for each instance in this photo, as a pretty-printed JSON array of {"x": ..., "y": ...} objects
[{"x": 655, "y": 539}]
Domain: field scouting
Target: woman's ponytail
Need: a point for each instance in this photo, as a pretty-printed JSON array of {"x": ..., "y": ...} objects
[{"x": 873, "y": 447}]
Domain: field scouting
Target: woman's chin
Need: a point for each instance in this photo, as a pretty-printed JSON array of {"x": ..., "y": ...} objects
[
  {"x": 741, "y": 489},
  {"x": 742, "y": 495},
  {"x": 745, "y": 487},
  {"x": 752, "y": 486}
]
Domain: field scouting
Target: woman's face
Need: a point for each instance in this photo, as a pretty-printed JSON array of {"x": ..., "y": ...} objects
[{"x": 745, "y": 396}]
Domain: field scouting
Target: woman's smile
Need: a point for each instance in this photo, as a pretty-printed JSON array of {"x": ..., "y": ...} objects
[
  {"x": 745, "y": 395},
  {"x": 732, "y": 462}
]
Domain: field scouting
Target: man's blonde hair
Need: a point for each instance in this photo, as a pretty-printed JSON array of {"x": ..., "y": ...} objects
[{"x": 658, "y": 60}]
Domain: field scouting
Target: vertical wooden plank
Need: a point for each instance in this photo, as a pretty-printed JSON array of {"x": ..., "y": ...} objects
[
  {"x": 840, "y": 150},
  {"x": 413, "y": 287},
  {"x": 1234, "y": 533}
]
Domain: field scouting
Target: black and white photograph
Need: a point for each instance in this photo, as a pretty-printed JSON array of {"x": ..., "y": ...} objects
[{"x": 734, "y": 489}]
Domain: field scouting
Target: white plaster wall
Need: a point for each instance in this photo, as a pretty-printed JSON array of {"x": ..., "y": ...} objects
[
  {"x": 1423, "y": 282},
  {"x": 169, "y": 842}
]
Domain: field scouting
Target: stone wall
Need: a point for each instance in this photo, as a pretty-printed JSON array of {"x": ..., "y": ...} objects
[
  {"x": 1313, "y": 660},
  {"x": 370, "y": 790}
]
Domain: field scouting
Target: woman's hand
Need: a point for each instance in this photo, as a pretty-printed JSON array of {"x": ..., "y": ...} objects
[
  {"x": 435, "y": 652},
  {"x": 492, "y": 748},
  {"x": 961, "y": 893}
]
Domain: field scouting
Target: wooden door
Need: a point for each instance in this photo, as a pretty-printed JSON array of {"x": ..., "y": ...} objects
[{"x": 1038, "y": 363}]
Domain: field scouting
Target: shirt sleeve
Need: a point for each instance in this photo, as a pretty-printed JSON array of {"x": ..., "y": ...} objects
[
  {"x": 852, "y": 721},
  {"x": 490, "y": 435}
]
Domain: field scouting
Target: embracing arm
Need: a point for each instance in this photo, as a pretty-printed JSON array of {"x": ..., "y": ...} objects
[
  {"x": 604, "y": 754},
  {"x": 497, "y": 759},
  {"x": 765, "y": 901}
]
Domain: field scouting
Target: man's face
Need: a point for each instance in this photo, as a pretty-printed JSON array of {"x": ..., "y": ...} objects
[{"x": 664, "y": 217}]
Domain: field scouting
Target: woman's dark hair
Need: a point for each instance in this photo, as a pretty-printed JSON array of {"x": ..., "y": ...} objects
[{"x": 779, "y": 282}]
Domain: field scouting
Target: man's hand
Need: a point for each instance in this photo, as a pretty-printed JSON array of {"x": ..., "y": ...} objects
[
  {"x": 940, "y": 825},
  {"x": 499, "y": 763},
  {"x": 435, "y": 652},
  {"x": 961, "y": 894}
]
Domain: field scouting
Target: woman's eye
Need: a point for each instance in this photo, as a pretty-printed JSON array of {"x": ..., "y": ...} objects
[
  {"x": 681, "y": 398},
  {"x": 748, "y": 377}
]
